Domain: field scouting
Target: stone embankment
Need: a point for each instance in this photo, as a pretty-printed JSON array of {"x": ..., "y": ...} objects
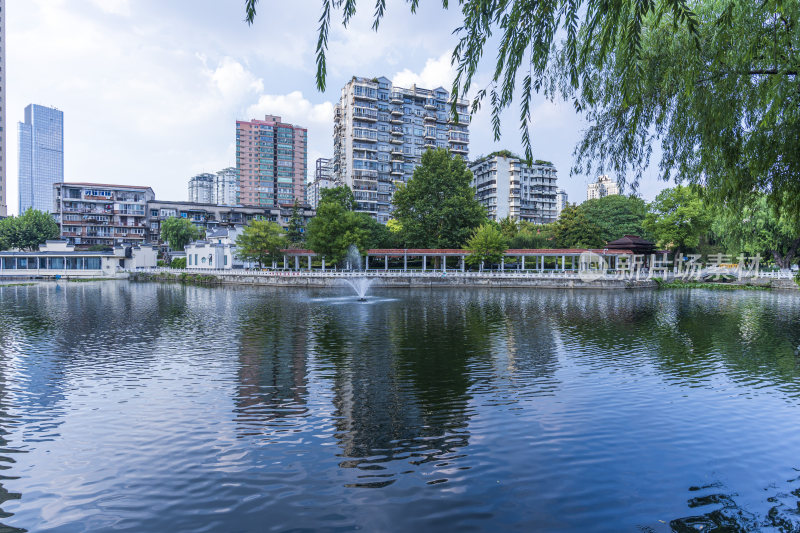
[{"x": 321, "y": 280}]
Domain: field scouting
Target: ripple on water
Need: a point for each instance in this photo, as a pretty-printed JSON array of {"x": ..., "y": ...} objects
[{"x": 164, "y": 407}]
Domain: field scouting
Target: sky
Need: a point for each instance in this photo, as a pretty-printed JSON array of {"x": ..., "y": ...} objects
[{"x": 151, "y": 89}]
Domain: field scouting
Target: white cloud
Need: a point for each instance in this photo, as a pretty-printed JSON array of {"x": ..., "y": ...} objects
[
  {"x": 437, "y": 72},
  {"x": 233, "y": 81},
  {"x": 114, "y": 7},
  {"x": 294, "y": 108}
]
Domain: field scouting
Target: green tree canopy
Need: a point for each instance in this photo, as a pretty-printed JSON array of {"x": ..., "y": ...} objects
[
  {"x": 757, "y": 229},
  {"x": 721, "y": 96},
  {"x": 532, "y": 235},
  {"x": 437, "y": 207},
  {"x": 261, "y": 242},
  {"x": 616, "y": 215},
  {"x": 336, "y": 226},
  {"x": 178, "y": 232},
  {"x": 296, "y": 231},
  {"x": 28, "y": 230},
  {"x": 487, "y": 244},
  {"x": 341, "y": 195},
  {"x": 678, "y": 218},
  {"x": 574, "y": 230}
]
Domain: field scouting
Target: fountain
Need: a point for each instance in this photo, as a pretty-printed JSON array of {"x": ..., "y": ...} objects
[{"x": 360, "y": 285}]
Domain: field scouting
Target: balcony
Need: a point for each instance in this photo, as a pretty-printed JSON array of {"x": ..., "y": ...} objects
[
  {"x": 396, "y": 97},
  {"x": 458, "y": 149},
  {"x": 429, "y": 118},
  {"x": 396, "y": 120},
  {"x": 430, "y": 103},
  {"x": 396, "y": 140},
  {"x": 397, "y": 131}
]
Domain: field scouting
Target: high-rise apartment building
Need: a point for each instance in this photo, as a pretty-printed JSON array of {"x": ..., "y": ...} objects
[
  {"x": 201, "y": 189},
  {"x": 323, "y": 179},
  {"x": 272, "y": 161},
  {"x": 3, "y": 161},
  {"x": 508, "y": 187},
  {"x": 381, "y": 131},
  {"x": 99, "y": 214},
  {"x": 561, "y": 201},
  {"x": 604, "y": 186},
  {"x": 41, "y": 157},
  {"x": 221, "y": 188},
  {"x": 226, "y": 187}
]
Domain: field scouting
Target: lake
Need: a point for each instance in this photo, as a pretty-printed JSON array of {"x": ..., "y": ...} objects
[{"x": 162, "y": 407}]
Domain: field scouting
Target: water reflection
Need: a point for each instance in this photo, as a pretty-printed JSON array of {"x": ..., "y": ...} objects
[{"x": 191, "y": 408}]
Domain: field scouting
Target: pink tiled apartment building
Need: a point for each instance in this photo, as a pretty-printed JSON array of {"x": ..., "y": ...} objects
[{"x": 272, "y": 160}]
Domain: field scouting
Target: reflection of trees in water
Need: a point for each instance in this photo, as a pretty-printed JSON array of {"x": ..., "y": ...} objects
[
  {"x": 403, "y": 374},
  {"x": 272, "y": 366},
  {"x": 688, "y": 334},
  {"x": 724, "y": 515}
]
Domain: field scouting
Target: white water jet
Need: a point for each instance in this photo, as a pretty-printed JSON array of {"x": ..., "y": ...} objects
[{"x": 361, "y": 286}]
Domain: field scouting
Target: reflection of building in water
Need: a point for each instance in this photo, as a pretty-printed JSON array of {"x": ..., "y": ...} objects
[{"x": 272, "y": 372}]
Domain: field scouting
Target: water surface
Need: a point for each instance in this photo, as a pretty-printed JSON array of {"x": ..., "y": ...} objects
[{"x": 150, "y": 407}]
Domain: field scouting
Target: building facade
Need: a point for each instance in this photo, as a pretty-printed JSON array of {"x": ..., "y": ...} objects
[
  {"x": 202, "y": 188},
  {"x": 3, "y": 161},
  {"x": 381, "y": 131},
  {"x": 561, "y": 201},
  {"x": 226, "y": 187},
  {"x": 604, "y": 186},
  {"x": 41, "y": 157},
  {"x": 91, "y": 214},
  {"x": 272, "y": 162},
  {"x": 61, "y": 259},
  {"x": 323, "y": 179},
  {"x": 508, "y": 187},
  {"x": 209, "y": 217}
]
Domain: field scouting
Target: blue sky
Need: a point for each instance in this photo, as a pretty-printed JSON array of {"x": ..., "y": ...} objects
[{"x": 151, "y": 89}]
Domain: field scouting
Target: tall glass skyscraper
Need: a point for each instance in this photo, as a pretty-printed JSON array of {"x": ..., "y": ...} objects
[{"x": 41, "y": 157}]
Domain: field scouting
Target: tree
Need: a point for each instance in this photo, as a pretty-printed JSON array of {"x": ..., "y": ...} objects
[
  {"x": 616, "y": 215},
  {"x": 574, "y": 230},
  {"x": 437, "y": 207},
  {"x": 296, "y": 232},
  {"x": 722, "y": 100},
  {"x": 678, "y": 218},
  {"x": 757, "y": 229},
  {"x": 509, "y": 227},
  {"x": 487, "y": 244},
  {"x": 341, "y": 195},
  {"x": 532, "y": 235},
  {"x": 28, "y": 230},
  {"x": 261, "y": 242},
  {"x": 178, "y": 232},
  {"x": 336, "y": 226}
]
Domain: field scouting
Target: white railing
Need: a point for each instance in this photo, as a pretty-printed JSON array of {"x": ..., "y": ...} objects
[{"x": 456, "y": 273}]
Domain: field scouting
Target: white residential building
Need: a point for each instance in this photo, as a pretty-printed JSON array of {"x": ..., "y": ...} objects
[
  {"x": 604, "y": 186},
  {"x": 381, "y": 131},
  {"x": 508, "y": 187},
  {"x": 201, "y": 189},
  {"x": 561, "y": 201},
  {"x": 323, "y": 179},
  {"x": 226, "y": 187}
]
